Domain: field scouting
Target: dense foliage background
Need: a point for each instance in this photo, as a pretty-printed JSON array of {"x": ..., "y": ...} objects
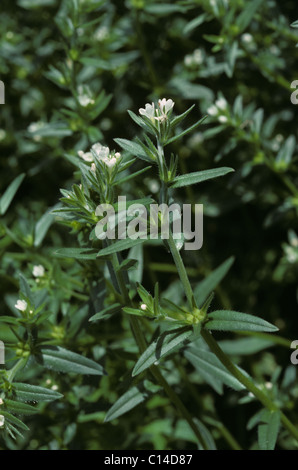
[{"x": 71, "y": 70}]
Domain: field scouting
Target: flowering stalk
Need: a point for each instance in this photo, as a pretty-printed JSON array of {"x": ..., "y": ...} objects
[{"x": 213, "y": 345}]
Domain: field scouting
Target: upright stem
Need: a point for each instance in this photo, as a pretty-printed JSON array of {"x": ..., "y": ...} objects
[
  {"x": 224, "y": 359},
  {"x": 142, "y": 345}
]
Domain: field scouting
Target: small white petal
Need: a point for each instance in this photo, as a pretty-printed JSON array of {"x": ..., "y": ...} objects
[
  {"x": 38, "y": 271},
  {"x": 223, "y": 119},
  {"x": 2, "y": 421},
  {"x": 21, "y": 305},
  {"x": 101, "y": 151},
  {"x": 221, "y": 103},
  {"x": 143, "y": 307},
  {"x": 148, "y": 111},
  {"x": 212, "y": 110}
]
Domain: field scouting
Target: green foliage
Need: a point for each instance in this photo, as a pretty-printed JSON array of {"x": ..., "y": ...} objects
[{"x": 100, "y": 332}]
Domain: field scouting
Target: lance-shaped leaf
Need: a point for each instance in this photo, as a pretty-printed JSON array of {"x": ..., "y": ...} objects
[
  {"x": 11, "y": 418},
  {"x": 62, "y": 360},
  {"x": 164, "y": 345},
  {"x": 205, "y": 287},
  {"x": 268, "y": 432},
  {"x": 199, "y": 177},
  {"x": 133, "y": 148},
  {"x": 10, "y": 193},
  {"x": 186, "y": 131},
  {"x": 121, "y": 245},
  {"x": 26, "y": 392},
  {"x": 106, "y": 312},
  {"x": 211, "y": 369},
  {"x": 229, "y": 320},
  {"x": 76, "y": 253},
  {"x": 126, "y": 402},
  {"x": 19, "y": 407}
]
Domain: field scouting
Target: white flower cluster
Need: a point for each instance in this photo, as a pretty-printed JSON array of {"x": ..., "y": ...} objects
[
  {"x": 84, "y": 96},
  {"x": 38, "y": 271},
  {"x": 21, "y": 305},
  {"x": 219, "y": 110},
  {"x": 158, "y": 113},
  {"x": 196, "y": 58},
  {"x": 102, "y": 154}
]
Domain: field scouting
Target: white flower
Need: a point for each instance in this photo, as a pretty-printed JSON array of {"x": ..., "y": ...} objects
[
  {"x": 38, "y": 271},
  {"x": 212, "y": 110},
  {"x": 101, "y": 33},
  {"x": 54, "y": 387},
  {"x": 87, "y": 156},
  {"x": 148, "y": 111},
  {"x": 221, "y": 103},
  {"x": 100, "y": 151},
  {"x": 35, "y": 126},
  {"x": 21, "y": 305},
  {"x": 165, "y": 105},
  {"x": 222, "y": 119},
  {"x": 1, "y": 401},
  {"x": 110, "y": 162},
  {"x": 246, "y": 37},
  {"x": 85, "y": 100},
  {"x": 93, "y": 167},
  {"x": 188, "y": 60},
  {"x": 198, "y": 56},
  {"x": 2, "y": 421},
  {"x": 143, "y": 307}
]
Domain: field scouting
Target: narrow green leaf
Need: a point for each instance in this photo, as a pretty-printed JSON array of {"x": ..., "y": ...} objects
[
  {"x": 43, "y": 225},
  {"x": 20, "y": 408},
  {"x": 26, "y": 392},
  {"x": 211, "y": 369},
  {"x": 180, "y": 117},
  {"x": 126, "y": 402},
  {"x": 165, "y": 344},
  {"x": 76, "y": 253},
  {"x": 106, "y": 312},
  {"x": 62, "y": 360},
  {"x": 133, "y": 148},
  {"x": 186, "y": 131},
  {"x": 205, "y": 287},
  {"x": 120, "y": 245},
  {"x": 14, "y": 420},
  {"x": 199, "y": 177},
  {"x": 247, "y": 14},
  {"x": 25, "y": 288},
  {"x": 10, "y": 192},
  {"x": 268, "y": 432},
  {"x": 228, "y": 320},
  {"x": 133, "y": 311},
  {"x": 131, "y": 176}
]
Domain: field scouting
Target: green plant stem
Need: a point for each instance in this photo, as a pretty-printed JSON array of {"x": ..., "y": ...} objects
[
  {"x": 269, "y": 404},
  {"x": 142, "y": 345},
  {"x": 181, "y": 270},
  {"x": 15, "y": 369},
  {"x": 224, "y": 359}
]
